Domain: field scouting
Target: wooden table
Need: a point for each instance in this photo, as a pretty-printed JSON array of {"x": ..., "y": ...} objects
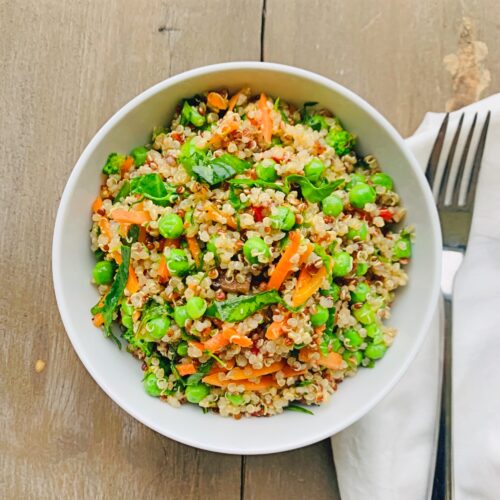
[{"x": 65, "y": 68}]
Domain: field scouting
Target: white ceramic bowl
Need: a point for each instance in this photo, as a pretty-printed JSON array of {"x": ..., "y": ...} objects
[{"x": 119, "y": 374}]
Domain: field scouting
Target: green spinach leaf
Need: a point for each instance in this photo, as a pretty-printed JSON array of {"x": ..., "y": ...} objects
[
  {"x": 124, "y": 191},
  {"x": 259, "y": 183},
  {"x": 151, "y": 186},
  {"x": 310, "y": 192},
  {"x": 217, "y": 170},
  {"x": 115, "y": 293},
  {"x": 298, "y": 408}
]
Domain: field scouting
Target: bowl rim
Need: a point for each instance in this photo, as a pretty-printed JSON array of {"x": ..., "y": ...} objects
[{"x": 434, "y": 283}]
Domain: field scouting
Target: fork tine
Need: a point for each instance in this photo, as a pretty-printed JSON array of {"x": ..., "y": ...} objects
[
  {"x": 474, "y": 175},
  {"x": 449, "y": 163},
  {"x": 433, "y": 162},
  {"x": 461, "y": 166}
]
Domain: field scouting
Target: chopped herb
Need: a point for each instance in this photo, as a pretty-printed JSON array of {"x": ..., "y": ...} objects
[
  {"x": 124, "y": 191},
  {"x": 259, "y": 183},
  {"x": 113, "y": 164},
  {"x": 311, "y": 192},
  {"x": 151, "y": 186},
  {"x": 219, "y": 169},
  {"x": 298, "y": 408}
]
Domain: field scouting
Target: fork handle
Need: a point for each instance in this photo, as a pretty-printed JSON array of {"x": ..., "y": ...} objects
[{"x": 443, "y": 474}]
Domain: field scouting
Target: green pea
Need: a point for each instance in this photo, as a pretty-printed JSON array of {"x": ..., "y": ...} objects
[
  {"x": 177, "y": 262},
  {"x": 139, "y": 154},
  {"x": 196, "y": 307},
  {"x": 320, "y": 317},
  {"x": 360, "y": 233},
  {"x": 151, "y": 386},
  {"x": 355, "y": 179},
  {"x": 365, "y": 314},
  {"x": 381, "y": 179},
  {"x": 182, "y": 349},
  {"x": 333, "y": 292},
  {"x": 266, "y": 170},
  {"x": 170, "y": 226},
  {"x": 342, "y": 264},
  {"x": 126, "y": 309},
  {"x": 375, "y": 351},
  {"x": 352, "y": 339},
  {"x": 373, "y": 330},
  {"x": 195, "y": 393},
  {"x": 332, "y": 205},
  {"x": 353, "y": 358},
  {"x": 282, "y": 218},
  {"x": 360, "y": 292},
  {"x": 361, "y": 194},
  {"x": 314, "y": 169},
  {"x": 156, "y": 328},
  {"x": 361, "y": 268},
  {"x": 103, "y": 272},
  {"x": 235, "y": 399},
  {"x": 256, "y": 251},
  {"x": 181, "y": 316},
  {"x": 402, "y": 248}
]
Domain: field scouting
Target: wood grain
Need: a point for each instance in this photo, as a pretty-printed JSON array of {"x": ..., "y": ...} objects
[
  {"x": 66, "y": 67},
  {"x": 388, "y": 51}
]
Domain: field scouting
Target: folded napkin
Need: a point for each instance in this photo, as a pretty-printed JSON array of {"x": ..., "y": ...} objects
[{"x": 390, "y": 453}]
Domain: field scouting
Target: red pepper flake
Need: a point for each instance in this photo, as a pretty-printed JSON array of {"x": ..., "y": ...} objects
[
  {"x": 258, "y": 213},
  {"x": 176, "y": 136},
  {"x": 386, "y": 214}
]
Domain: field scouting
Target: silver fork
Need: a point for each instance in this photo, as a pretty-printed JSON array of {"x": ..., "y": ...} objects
[{"x": 456, "y": 218}]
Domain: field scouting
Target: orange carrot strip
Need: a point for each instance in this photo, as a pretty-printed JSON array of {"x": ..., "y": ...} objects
[
  {"x": 303, "y": 257},
  {"x": 241, "y": 340},
  {"x": 276, "y": 329},
  {"x": 104, "y": 227},
  {"x": 98, "y": 319},
  {"x": 132, "y": 281},
  {"x": 127, "y": 164},
  {"x": 215, "y": 100},
  {"x": 97, "y": 204},
  {"x": 333, "y": 360},
  {"x": 217, "y": 342},
  {"x": 264, "y": 383},
  {"x": 195, "y": 249},
  {"x": 307, "y": 284},
  {"x": 124, "y": 229},
  {"x": 131, "y": 216},
  {"x": 288, "y": 371},
  {"x": 285, "y": 263},
  {"x": 185, "y": 369},
  {"x": 266, "y": 120},
  {"x": 163, "y": 273},
  {"x": 136, "y": 315},
  {"x": 248, "y": 372},
  {"x": 234, "y": 100},
  {"x": 117, "y": 256},
  {"x": 199, "y": 345},
  {"x": 215, "y": 215}
]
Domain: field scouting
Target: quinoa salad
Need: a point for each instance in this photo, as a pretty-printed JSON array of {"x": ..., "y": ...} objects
[{"x": 247, "y": 255}]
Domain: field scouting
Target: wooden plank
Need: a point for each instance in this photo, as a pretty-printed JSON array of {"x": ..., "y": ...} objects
[
  {"x": 390, "y": 52},
  {"x": 66, "y": 67},
  {"x": 305, "y": 473}
]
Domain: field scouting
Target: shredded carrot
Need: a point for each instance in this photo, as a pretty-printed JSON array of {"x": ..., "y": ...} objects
[
  {"x": 136, "y": 315},
  {"x": 264, "y": 383},
  {"x": 199, "y": 345},
  {"x": 130, "y": 216},
  {"x": 97, "y": 204},
  {"x": 285, "y": 263},
  {"x": 276, "y": 329},
  {"x": 303, "y": 257},
  {"x": 266, "y": 120},
  {"x": 307, "y": 284},
  {"x": 98, "y": 319},
  {"x": 225, "y": 337},
  {"x": 241, "y": 340},
  {"x": 117, "y": 256},
  {"x": 127, "y": 165},
  {"x": 124, "y": 229},
  {"x": 215, "y": 215},
  {"x": 216, "y": 101},
  {"x": 195, "y": 249},
  {"x": 104, "y": 227},
  {"x": 185, "y": 369},
  {"x": 163, "y": 273},
  {"x": 248, "y": 372},
  {"x": 217, "y": 368},
  {"x": 132, "y": 281},
  {"x": 333, "y": 360},
  {"x": 234, "y": 100},
  {"x": 288, "y": 371}
]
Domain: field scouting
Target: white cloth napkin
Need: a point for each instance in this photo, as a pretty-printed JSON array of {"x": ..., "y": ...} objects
[{"x": 389, "y": 454}]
